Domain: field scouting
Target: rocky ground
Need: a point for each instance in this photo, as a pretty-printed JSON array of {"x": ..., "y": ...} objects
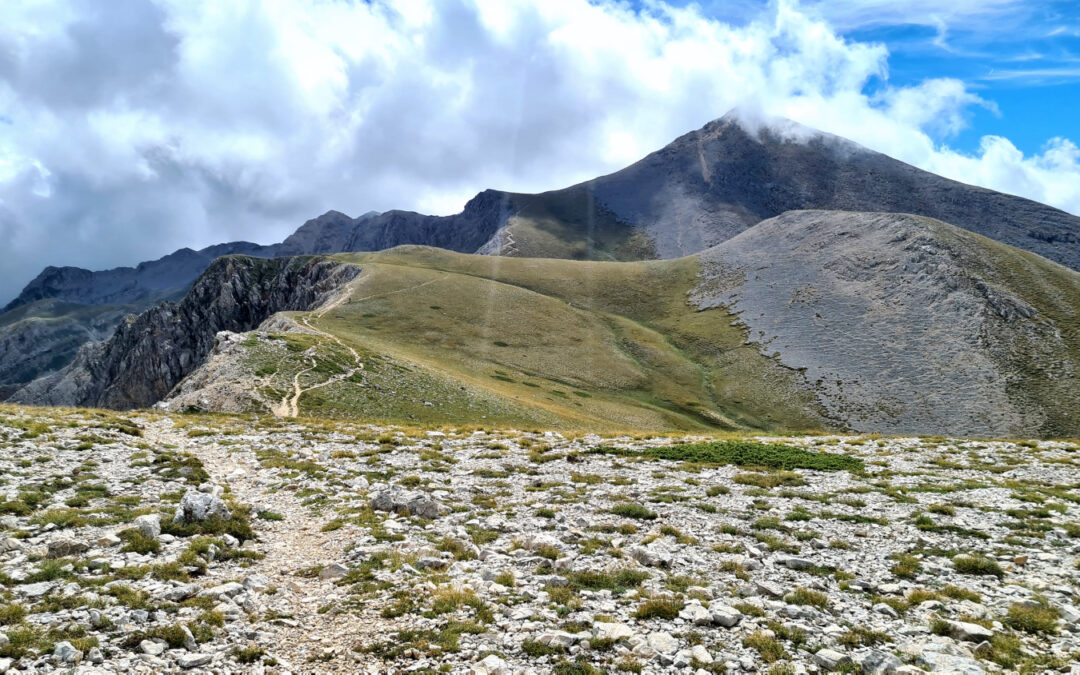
[{"x": 165, "y": 543}]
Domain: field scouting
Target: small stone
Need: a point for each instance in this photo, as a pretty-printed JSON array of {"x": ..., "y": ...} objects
[
  {"x": 725, "y": 616},
  {"x": 149, "y": 525},
  {"x": 830, "y": 659},
  {"x": 887, "y": 610},
  {"x": 696, "y": 614},
  {"x": 611, "y": 631},
  {"x": 35, "y": 590},
  {"x": 200, "y": 506},
  {"x": 491, "y": 665},
  {"x": 190, "y": 643},
  {"x": 662, "y": 642},
  {"x": 793, "y": 563},
  {"x": 65, "y": 548},
  {"x": 109, "y": 540},
  {"x": 408, "y": 503},
  {"x": 187, "y": 661},
  {"x": 64, "y": 652},
  {"x": 969, "y": 632},
  {"x": 701, "y": 655},
  {"x": 152, "y": 648},
  {"x": 95, "y": 656},
  {"x": 333, "y": 572},
  {"x": 878, "y": 662},
  {"x": 222, "y": 590}
]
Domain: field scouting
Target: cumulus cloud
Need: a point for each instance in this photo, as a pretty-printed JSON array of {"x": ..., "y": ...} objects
[{"x": 129, "y": 129}]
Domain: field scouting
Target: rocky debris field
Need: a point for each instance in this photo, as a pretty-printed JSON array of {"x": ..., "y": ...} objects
[{"x": 150, "y": 543}]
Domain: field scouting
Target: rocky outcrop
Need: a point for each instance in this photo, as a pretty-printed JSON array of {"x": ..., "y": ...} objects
[
  {"x": 464, "y": 232},
  {"x": 150, "y": 353},
  {"x": 45, "y": 336}
]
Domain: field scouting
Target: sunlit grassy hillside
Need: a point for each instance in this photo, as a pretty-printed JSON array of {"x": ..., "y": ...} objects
[{"x": 554, "y": 343}]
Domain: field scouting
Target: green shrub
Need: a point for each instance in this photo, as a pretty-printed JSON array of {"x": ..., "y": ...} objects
[
  {"x": 1033, "y": 619},
  {"x": 633, "y": 511},
  {"x": 805, "y": 596},
  {"x": 137, "y": 542},
  {"x": 977, "y": 565},
  {"x": 666, "y": 607},
  {"x": 770, "y": 480},
  {"x": 767, "y": 646},
  {"x": 744, "y": 453}
]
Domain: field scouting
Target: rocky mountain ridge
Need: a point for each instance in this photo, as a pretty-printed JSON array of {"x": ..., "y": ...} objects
[
  {"x": 166, "y": 278},
  {"x": 868, "y": 322},
  {"x": 150, "y": 353},
  {"x": 698, "y": 191}
]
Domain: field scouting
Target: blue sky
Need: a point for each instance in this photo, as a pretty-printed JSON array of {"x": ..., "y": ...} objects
[
  {"x": 1021, "y": 56},
  {"x": 131, "y": 129}
]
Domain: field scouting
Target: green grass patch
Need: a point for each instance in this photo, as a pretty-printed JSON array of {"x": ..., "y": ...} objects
[{"x": 744, "y": 453}]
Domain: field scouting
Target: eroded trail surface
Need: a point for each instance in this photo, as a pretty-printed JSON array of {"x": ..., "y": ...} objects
[
  {"x": 307, "y": 635},
  {"x": 359, "y": 548},
  {"x": 289, "y": 406}
]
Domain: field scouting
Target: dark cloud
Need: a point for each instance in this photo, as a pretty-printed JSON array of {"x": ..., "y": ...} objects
[{"x": 131, "y": 128}]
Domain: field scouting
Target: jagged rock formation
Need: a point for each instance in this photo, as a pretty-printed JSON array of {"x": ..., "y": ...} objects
[
  {"x": 150, "y": 353},
  {"x": 334, "y": 232},
  {"x": 905, "y": 324}
]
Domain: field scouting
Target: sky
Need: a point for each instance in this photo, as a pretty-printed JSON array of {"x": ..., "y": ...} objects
[{"x": 131, "y": 128}]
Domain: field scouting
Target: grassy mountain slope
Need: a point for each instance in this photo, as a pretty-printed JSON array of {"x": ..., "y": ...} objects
[
  {"x": 814, "y": 319},
  {"x": 446, "y": 337}
]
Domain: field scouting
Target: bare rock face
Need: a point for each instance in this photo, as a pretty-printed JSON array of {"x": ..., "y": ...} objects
[
  {"x": 150, "y": 353},
  {"x": 45, "y": 336},
  {"x": 904, "y": 324}
]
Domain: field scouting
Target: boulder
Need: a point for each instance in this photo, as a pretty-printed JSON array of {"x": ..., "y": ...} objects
[
  {"x": 149, "y": 525},
  {"x": 65, "y": 548},
  {"x": 395, "y": 500},
  {"x": 198, "y": 506},
  {"x": 64, "y": 652}
]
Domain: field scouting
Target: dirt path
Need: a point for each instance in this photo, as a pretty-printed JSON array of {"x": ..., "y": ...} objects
[
  {"x": 304, "y": 635},
  {"x": 290, "y": 404}
]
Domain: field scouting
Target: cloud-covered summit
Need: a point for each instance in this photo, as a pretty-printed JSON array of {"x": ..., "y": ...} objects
[{"x": 131, "y": 129}]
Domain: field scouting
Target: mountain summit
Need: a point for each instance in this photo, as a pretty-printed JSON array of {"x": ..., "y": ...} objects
[{"x": 701, "y": 190}]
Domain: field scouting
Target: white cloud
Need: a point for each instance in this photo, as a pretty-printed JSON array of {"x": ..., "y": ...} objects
[{"x": 139, "y": 127}]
